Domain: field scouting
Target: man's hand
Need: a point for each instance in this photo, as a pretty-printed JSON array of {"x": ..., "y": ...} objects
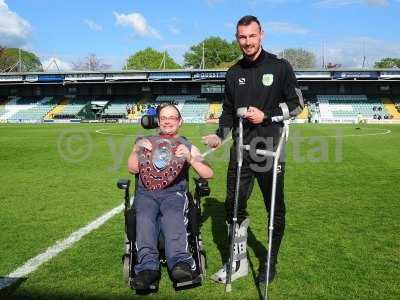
[
  {"x": 183, "y": 151},
  {"x": 254, "y": 115},
  {"x": 142, "y": 143},
  {"x": 211, "y": 140}
]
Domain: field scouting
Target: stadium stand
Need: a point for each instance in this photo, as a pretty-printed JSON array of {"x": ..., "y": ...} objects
[
  {"x": 198, "y": 108},
  {"x": 391, "y": 108},
  {"x": 396, "y": 101},
  {"x": 346, "y": 108},
  {"x": 343, "y": 96},
  {"x": 116, "y": 108},
  {"x": 304, "y": 114},
  {"x": 178, "y": 98},
  {"x": 57, "y": 109},
  {"x": 141, "y": 107},
  {"x": 314, "y": 112},
  {"x": 72, "y": 109},
  {"x": 2, "y": 106},
  {"x": 28, "y": 109},
  {"x": 120, "y": 108},
  {"x": 3, "y": 101},
  {"x": 10, "y": 108},
  {"x": 195, "y": 111},
  {"x": 215, "y": 110},
  {"x": 136, "y": 111}
]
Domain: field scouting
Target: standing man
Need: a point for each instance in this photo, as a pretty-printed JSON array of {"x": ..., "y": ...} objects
[{"x": 267, "y": 86}]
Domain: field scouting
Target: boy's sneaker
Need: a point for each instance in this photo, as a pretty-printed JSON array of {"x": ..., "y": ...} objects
[
  {"x": 145, "y": 280},
  {"x": 182, "y": 272}
]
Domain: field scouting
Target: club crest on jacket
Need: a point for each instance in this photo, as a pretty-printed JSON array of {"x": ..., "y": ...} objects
[{"x": 267, "y": 79}]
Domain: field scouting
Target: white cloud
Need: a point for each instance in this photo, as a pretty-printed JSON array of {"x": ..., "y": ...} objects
[
  {"x": 283, "y": 27},
  {"x": 138, "y": 23},
  {"x": 375, "y": 2},
  {"x": 173, "y": 25},
  {"x": 212, "y": 2},
  {"x": 257, "y": 4},
  {"x": 93, "y": 25},
  {"x": 350, "y": 52},
  {"x": 14, "y": 30},
  {"x": 230, "y": 25},
  {"x": 115, "y": 62},
  {"x": 174, "y": 30},
  {"x": 352, "y": 2},
  {"x": 336, "y": 2},
  {"x": 176, "y": 51},
  {"x": 52, "y": 63}
]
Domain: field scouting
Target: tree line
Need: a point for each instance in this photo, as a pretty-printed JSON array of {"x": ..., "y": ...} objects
[
  {"x": 211, "y": 53},
  {"x": 18, "y": 60}
]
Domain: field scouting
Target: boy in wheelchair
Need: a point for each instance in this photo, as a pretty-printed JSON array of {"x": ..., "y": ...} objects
[{"x": 162, "y": 162}]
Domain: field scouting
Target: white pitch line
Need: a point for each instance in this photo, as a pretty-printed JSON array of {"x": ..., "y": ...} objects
[
  {"x": 118, "y": 134},
  {"x": 384, "y": 131},
  {"x": 34, "y": 263}
]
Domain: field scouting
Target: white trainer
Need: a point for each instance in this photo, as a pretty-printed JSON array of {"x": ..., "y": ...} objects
[{"x": 239, "y": 270}]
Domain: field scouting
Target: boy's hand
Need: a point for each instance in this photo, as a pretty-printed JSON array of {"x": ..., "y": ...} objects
[
  {"x": 142, "y": 143},
  {"x": 183, "y": 151},
  {"x": 212, "y": 140}
]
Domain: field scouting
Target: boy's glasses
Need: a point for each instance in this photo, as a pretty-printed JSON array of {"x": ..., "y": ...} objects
[{"x": 170, "y": 118}]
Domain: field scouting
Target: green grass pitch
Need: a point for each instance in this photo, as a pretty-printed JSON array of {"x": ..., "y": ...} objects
[{"x": 342, "y": 196}]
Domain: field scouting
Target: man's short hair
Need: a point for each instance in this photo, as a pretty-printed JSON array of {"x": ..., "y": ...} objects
[{"x": 247, "y": 20}]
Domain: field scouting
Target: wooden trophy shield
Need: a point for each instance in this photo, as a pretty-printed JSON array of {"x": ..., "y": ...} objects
[{"x": 160, "y": 167}]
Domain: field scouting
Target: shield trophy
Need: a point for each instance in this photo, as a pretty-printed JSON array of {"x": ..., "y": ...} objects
[{"x": 160, "y": 167}]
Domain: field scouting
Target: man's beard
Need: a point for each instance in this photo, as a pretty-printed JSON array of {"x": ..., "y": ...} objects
[{"x": 250, "y": 57}]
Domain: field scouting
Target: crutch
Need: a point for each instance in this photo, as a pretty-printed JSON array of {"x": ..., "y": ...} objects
[
  {"x": 239, "y": 154},
  {"x": 276, "y": 156}
]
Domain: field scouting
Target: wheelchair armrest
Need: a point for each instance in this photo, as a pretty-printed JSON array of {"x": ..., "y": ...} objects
[
  {"x": 123, "y": 184},
  {"x": 202, "y": 188}
]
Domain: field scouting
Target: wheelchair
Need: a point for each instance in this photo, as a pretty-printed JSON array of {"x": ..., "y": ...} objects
[{"x": 129, "y": 257}]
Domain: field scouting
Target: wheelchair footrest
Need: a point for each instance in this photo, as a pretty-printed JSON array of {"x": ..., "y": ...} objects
[{"x": 196, "y": 281}]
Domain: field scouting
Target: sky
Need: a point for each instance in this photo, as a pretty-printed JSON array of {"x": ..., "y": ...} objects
[{"x": 341, "y": 31}]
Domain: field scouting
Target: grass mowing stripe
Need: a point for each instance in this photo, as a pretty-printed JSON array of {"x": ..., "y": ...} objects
[{"x": 35, "y": 262}]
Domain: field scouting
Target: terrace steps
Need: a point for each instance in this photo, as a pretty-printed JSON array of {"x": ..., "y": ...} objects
[
  {"x": 57, "y": 109},
  {"x": 390, "y": 107},
  {"x": 303, "y": 114}
]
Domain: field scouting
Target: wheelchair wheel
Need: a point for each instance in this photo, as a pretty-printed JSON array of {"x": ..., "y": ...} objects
[{"x": 126, "y": 268}]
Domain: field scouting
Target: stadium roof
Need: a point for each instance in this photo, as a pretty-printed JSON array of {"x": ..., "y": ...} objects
[{"x": 188, "y": 75}]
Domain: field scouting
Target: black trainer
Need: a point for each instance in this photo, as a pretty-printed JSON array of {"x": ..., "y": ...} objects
[
  {"x": 146, "y": 280},
  {"x": 262, "y": 275},
  {"x": 182, "y": 272}
]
